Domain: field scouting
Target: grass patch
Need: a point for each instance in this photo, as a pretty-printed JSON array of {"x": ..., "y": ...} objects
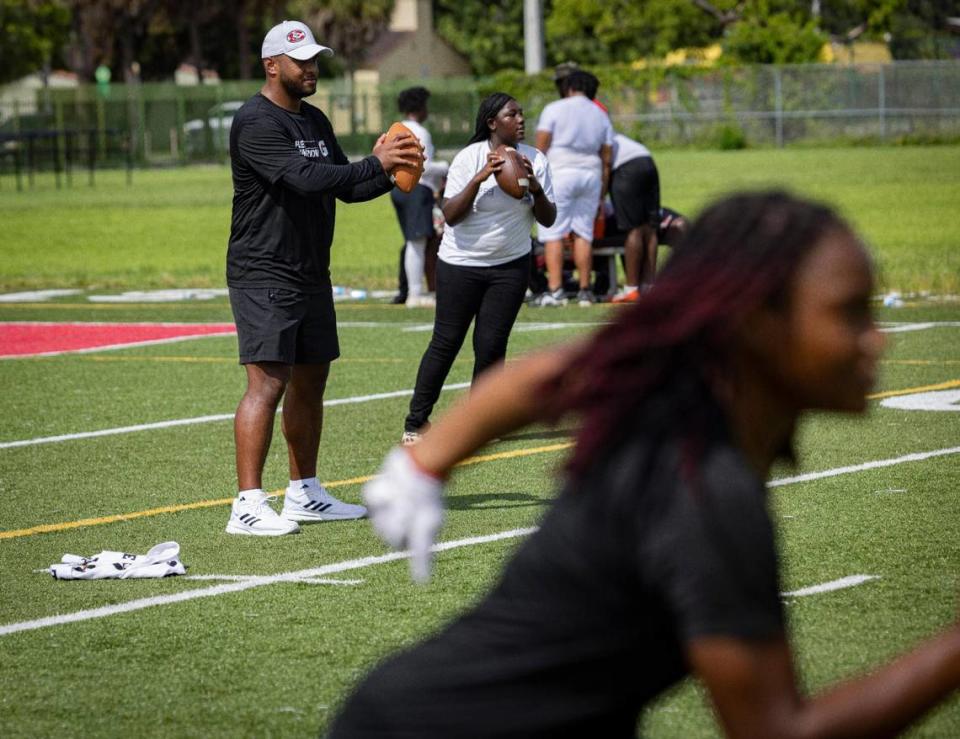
[
  {"x": 170, "y": 227},
  {"x": 278, "y": 659}
]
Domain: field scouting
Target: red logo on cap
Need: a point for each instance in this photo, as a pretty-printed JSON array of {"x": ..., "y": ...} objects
[{"x": 296, "y": 36}]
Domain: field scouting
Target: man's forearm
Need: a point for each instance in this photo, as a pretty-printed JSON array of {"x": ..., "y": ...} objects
[{"x": 315, "y": 178}]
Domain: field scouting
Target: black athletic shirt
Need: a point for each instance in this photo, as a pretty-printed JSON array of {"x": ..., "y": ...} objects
[
  {"x": 287, "y": 171},
  {"x": 590, "y": 617}
]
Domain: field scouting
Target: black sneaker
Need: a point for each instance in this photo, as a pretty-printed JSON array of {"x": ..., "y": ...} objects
[{"x": 586, "y": 298}]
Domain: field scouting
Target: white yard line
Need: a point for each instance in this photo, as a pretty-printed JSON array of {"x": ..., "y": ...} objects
[
  {"x": 246, "y": 584},
  {"x": 203, "y": 419},
  {"x": 407, "y": 327},
  {"x": 850, "y": 581},
  {"x": 116, "y": 347},
  {"x": 921, "y": 326},
  {"x": 876, "y": 464},
  {"x": 244, "y": 578},
  {"x": 35, "y": 295},
  {"x": 319, "y": 572}
]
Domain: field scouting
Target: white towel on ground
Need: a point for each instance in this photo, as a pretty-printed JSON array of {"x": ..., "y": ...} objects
[{"x": 161, "y": 561}]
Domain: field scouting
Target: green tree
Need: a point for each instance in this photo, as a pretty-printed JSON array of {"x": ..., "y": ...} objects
[
  {"x": 625, "y": 30},
  {"x": 919, "y": 29},
  {"x": 766, "y": 35},
  {"x": 32, "y": 35},
  {"x": 347, "y": 26},
  {"x": 489, "y": 34}
]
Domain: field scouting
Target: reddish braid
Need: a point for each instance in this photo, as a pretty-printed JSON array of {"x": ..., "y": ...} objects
[{"x": 739, "y": 255}]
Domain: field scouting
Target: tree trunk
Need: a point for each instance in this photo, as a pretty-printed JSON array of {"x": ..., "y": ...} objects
[
  {"x": 196, "y": 53},
  {"x": 243, "y": 40}
]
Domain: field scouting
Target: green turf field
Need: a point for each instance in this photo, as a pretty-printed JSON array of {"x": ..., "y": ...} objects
[
  {"x": 169, "y": 229},
  {"x": 268, "y": 658}
]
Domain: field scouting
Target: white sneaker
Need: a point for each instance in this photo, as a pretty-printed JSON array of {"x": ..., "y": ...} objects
[
  {"x": 409, "y": 438},
  {"x": 557, "y": 297},
  {"x": 422, "y": 301},
  {"x": 252, "y": 515},
  {"x": 316, "y": 504}
]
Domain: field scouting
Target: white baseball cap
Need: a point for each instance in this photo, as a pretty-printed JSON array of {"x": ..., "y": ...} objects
[{"x": 294, "y": 39}]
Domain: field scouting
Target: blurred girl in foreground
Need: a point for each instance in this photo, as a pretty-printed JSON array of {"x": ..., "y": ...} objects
[{"x": 657, "y": 559}]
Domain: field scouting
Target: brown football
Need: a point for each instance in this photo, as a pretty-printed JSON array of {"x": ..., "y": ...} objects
[
  {"x": 512, "y": 177},
  {"x": 405, "y": 177}
]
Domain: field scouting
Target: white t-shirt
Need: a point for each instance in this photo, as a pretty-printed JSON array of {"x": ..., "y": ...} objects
[
  {"x": 626, "y": 150},
  {"x": 497, "y": 228},
  {"x": 433, "y": 171},
  {"x": 426, "y": 140},
  {"x": 578, "y": 128}
]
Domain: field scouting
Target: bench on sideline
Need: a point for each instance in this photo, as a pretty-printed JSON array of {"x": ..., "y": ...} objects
[{"x": 607, "y": 251}]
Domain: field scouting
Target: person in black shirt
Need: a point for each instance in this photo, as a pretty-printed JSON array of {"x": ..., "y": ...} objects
[
  {"x": 658, "y": 558},
  {"x": 288, "y": 169}
]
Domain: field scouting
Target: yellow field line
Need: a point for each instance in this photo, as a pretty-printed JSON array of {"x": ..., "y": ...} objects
[
  {"x": 517, "y": 453},
  {"x": 920, "y": 362},
  {"x": 923, "y": 389},
  {"x": 101, "y": 520}
]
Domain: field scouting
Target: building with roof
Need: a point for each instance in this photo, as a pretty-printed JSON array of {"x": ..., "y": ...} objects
[{"x": 411, "y": 49}]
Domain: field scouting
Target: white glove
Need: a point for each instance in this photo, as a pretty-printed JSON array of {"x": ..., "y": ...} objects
[
  {"x": 161, "y": 561},
  {"x": 404, "y": 505}
]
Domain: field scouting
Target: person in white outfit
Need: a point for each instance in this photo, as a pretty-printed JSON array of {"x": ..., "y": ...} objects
[
  {"x": 415, "y": 208},
  {"x": 577, "y": 138}
]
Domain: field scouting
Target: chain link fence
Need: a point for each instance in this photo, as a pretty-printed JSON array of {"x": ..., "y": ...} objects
[
  {"x": 776, "y": 106},
  {"x": 162, "y": 123}
]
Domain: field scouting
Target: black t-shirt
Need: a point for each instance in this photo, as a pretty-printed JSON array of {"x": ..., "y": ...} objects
[
  {"x": 287, "y": 171},
  {"x": 589, "y": 620}
]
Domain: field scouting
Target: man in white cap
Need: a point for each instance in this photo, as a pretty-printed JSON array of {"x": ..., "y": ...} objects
[{"x": 288, "y": 171}]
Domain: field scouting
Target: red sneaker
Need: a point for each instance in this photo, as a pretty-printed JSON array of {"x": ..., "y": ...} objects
[{"x": 626, "y": 297}]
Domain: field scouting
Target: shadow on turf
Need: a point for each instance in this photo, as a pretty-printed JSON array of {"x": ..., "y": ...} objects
[{"x": 489, "y": 501}]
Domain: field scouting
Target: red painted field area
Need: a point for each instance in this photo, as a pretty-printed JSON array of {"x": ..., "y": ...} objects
[{"x": 36, "y": 339}]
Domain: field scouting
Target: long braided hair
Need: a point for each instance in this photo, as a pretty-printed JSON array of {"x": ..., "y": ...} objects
[
  {"x": 660, "y": 356},
  {"x": 489, "y": 107}
]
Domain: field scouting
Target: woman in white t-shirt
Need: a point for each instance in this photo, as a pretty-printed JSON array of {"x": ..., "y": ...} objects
[{"x": 483, "y": 266}]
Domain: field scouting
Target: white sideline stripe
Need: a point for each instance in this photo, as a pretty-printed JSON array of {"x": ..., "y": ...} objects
[
  {"x": 519, "y": 327},
  {"x": 408, "y": 328},
  {"x": 114, "y": 347},
  {"x": 850, "y": 581},
  {"x": 247, "y": 584},
  {"x": 116, "y": 323},
  {"x": 204, "y": 419},
  {"x": 35, "y": 295},
  {"x": 876, "y": 464}
]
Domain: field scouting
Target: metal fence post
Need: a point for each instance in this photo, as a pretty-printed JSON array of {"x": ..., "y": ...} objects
[
  {"x": 142, "y": 133},
  {"x": 59, "y": 141},
  {"x": 101, "y": 124},
  {"x": 882, "y": 104},
  {"x": 778, "y": 106},
  {"x": 181, "y": 118}
]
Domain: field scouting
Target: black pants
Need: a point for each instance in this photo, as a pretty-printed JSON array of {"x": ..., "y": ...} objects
[{"x": 492, "y": 296}]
